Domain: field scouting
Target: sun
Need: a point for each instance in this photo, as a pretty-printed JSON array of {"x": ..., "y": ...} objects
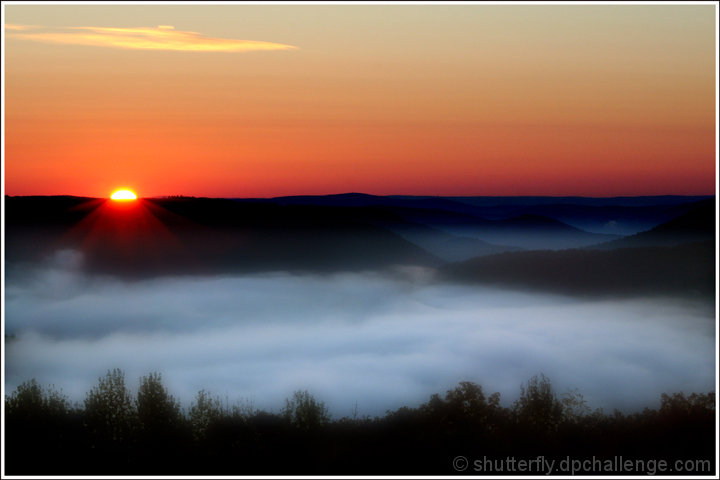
[{"x": 123, "y": 195}]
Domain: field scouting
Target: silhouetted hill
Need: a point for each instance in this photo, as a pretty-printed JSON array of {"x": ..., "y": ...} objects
[
  {"x": 614, "y": 215},
  {"x": 443, "y": 217},
  {"x": 637, "y": 201},
  {"x": 525, "y": 231},
  {"x": 611, "y": 219},
  {"x": 451, "y": 248},
  {"x": 200, "y": 235},
  {"x": 686, "y": 270},
  {"x": 347, "y": 232},
  {"x": 536, "y": 221},
  {"x": 463, "y": 202},
  {"x": 365, "y": 200},
  {"x": 441, "y": 244},
  {"x": 696, "y": 225}
]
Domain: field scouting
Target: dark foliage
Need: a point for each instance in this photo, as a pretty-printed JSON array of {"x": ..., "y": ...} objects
[
  {"x": 114, "y": 434},
  {"x": 684, "y": 270},
  {"x": 697, "y": 225}
]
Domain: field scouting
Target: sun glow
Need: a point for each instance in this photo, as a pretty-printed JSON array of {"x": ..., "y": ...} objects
[{"x": 123, "y": 195}]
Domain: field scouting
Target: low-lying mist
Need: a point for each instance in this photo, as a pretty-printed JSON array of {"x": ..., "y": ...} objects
[{"x": 375, "y": 340}]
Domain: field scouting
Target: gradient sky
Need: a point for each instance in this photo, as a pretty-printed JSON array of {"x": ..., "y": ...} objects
[{"x": 268, "y": 100}]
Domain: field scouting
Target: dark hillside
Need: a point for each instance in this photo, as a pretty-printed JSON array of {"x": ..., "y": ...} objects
[
  {"x": 684, "y": 270},
  {"x": 200, "y": 235},
  {"x": 696, "y": 225}
]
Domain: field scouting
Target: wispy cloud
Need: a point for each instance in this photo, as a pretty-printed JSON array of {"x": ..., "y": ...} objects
[
  {"x": 162, "y": 37},
  {"x": 10, "y": 26}
]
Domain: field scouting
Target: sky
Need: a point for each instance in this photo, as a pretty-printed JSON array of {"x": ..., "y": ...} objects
[{"x": 240, "y": 100}]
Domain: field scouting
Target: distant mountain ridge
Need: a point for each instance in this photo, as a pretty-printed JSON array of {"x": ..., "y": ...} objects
[
  {"x": 365, "y": 199},
  {"x": 676, "y": 257},
  {"x": 524, "y": 231},
  {"x": 696, "y": 225},
  {"x": 344, "y": 232},
  {"x": 613, "y": 215}
]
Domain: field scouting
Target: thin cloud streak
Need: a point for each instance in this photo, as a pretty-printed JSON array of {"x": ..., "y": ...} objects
[
  {"x": 162, "y": 37},
  {"x": 9, "y": 26}
]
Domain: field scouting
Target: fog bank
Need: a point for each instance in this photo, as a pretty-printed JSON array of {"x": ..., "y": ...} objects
[{"x": 378, "y": 340}]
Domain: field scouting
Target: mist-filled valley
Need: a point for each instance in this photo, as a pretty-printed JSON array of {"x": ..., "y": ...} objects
[
  {"x": 371, "y": 304},
  {"x": 253, "y": 299}
]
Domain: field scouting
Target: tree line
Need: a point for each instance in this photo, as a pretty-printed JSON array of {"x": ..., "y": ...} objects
[{"x": 116, "y": 433}]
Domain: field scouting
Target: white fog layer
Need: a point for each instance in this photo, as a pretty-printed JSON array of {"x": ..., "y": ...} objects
[{"x": 380, "y": 341}]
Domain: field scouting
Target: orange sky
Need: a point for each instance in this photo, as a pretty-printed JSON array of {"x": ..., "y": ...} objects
[{"x": 267, "y": 100}]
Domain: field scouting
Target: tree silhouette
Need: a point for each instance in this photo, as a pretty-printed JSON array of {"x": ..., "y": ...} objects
[
  {"x": 27, "y": 399},
  {"x": 151, "y": 435},
  {"x": 468, "y": 401},
  {"x": 537, "y": 406},
  {"x": 109, "y": 412},
  {"x": 574, "y": 406},
  {"x": 158, "y": 411},
  {"x": 305, "y": 412},
  {"x": 38, "y": 420},
  {"x": 204, "y": 411}
]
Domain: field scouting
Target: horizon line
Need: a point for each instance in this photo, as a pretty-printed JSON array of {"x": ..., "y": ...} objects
[{"x": 374, "y": 195}]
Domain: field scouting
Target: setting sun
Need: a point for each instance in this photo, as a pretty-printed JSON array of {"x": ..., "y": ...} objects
[{"x": 123, "y": 195}]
